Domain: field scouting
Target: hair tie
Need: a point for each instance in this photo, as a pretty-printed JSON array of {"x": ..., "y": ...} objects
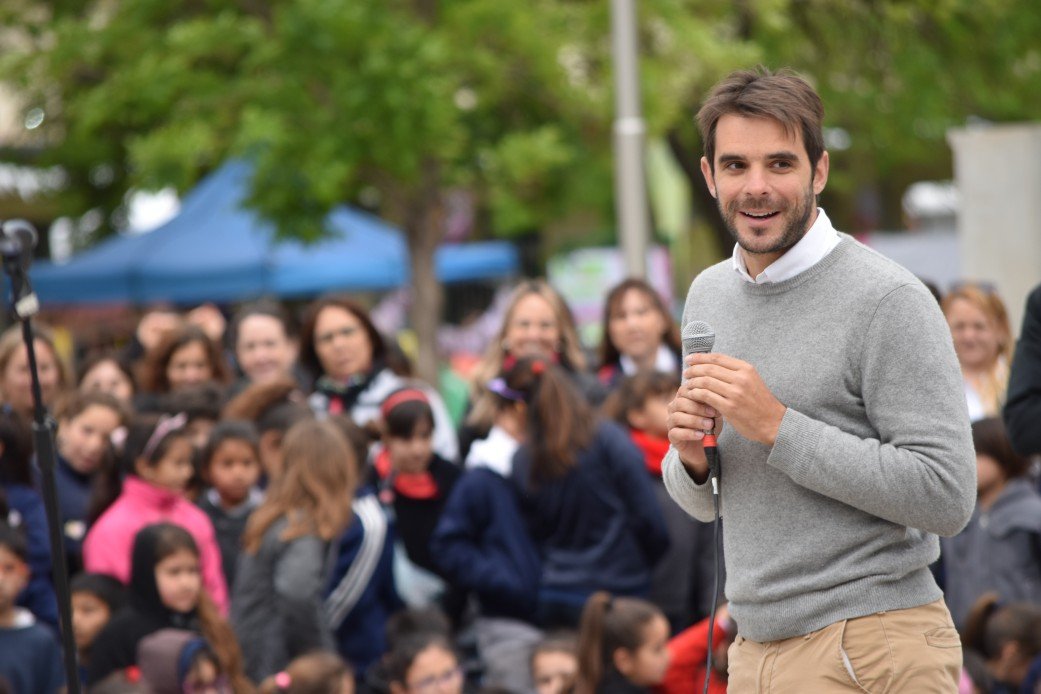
[
  {"x": 401, "y": 397},
  {"x": 499, "y": 387},
  {"x": 283, "y": 680},
  {"x": 538, "y": 367}
]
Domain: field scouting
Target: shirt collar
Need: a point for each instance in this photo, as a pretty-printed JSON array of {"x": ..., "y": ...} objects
[
  {"x": 820, "y": 240},
  {"x": 664, "y": 361}
]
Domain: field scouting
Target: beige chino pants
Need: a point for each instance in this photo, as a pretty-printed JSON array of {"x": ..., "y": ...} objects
[{"x": 913, "y": 651}]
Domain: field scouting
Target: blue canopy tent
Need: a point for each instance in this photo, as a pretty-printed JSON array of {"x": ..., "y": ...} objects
[{"x": 217, "y": 250}]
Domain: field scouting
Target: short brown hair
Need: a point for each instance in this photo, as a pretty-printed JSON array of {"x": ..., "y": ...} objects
[
  {"x": 782, "y": 96},
  {"x": 308, "y": 352}
]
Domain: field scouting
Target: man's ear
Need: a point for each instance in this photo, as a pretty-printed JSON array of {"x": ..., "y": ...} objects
[
  {"x": 710, "y": 179},
  {"x": 820, "y": 173}
]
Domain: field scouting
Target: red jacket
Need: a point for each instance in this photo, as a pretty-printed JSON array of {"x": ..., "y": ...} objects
[{"x": 687, "y": 653}]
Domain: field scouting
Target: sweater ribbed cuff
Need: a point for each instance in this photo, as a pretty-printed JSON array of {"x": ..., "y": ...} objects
[{"x": 796, "y": 445}]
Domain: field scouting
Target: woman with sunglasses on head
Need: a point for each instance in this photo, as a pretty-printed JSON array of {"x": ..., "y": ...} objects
[{"x": 983, "y": 342}]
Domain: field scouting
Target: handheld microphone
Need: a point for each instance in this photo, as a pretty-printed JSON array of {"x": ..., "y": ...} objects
[{"x": 698, "y": 338}]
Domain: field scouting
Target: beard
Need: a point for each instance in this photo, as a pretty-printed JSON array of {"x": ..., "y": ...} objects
[{"x": 796, "y": 221}]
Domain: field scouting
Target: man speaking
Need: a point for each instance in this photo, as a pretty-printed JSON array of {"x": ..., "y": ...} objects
[{"x": 845, "y": 441}]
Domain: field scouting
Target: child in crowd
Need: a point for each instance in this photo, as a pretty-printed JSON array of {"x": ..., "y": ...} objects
[
  {"x": 86, "y": 424},
  {"x": 175, "y": 661},
  {"x": 554, "y": 663},
  {"x": 95, "y": 598},
  {"x": 483, "y": 546},
  {"x": 165, "y": 592},
  {"x": 283, "y": 569},
  {"x": 30, "y": 657},
  {"x": 622, "y": 645},
  {"x": 414, "y": 483},
  {"x": 688, "y": 656},
  {"x": 1008, "y": 637},
  {"x": 1000, "y": 549},
  {"x": 315, "y": 673},
  {"x": 25, "y": 512},
  {"x": 423, "y": 662},
  {"x": 682, "y": 583},
  {"x": 584, "y": 492},
  {"x": 360, "y": 596},
  {"x": 231, "y": 469},
  {"x": 158, "y": 463},
  {"x": 273, "y": 407}
]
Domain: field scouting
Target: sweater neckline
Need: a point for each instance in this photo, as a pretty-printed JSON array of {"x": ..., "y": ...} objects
[{"x": 846, "y": 243}]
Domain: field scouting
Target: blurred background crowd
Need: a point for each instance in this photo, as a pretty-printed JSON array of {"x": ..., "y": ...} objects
[{"x": 272, "y": 495}]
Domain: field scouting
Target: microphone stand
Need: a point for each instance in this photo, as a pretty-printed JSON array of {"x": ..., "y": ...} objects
[{"x": 24, "y": 305}]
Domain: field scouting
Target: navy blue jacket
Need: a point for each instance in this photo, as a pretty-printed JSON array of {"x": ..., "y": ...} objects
[
  {"x": 481, "y": 544},
  {"x": 74, "y": 492},
  {"x": 599, "y": 527},
  {"x": 360, "y": 595},
  {"x": 27, "y": 512}
]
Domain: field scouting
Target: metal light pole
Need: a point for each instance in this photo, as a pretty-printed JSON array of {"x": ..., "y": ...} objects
[{"x": 629, "y": 181}]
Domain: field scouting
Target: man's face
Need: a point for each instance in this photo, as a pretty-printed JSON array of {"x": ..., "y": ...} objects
[{"x": 764, "y": 185}]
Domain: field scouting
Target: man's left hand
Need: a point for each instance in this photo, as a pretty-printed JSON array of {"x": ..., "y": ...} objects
[{"x": 736, "y": 390}]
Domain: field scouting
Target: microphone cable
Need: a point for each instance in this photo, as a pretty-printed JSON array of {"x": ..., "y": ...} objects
[{"x": 714, "y": 469}]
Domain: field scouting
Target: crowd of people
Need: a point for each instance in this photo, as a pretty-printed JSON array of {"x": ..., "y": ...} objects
[{"x": 282, "y": 509}]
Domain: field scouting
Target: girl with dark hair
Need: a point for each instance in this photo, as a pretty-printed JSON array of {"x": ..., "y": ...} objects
[
  {"x": 622, "y": 646},
  {"x": 284, "y": 565},
  {"x": 584, "y": 491},
  {"x": 354, "y": 369},
  {"x": 414, "y": 483},
  {"x": 1000, "y": 549},
  {"x": 165, "y": 591},
  {"x": 158, "y": 466},
  {"x": 638, "y": 334},
  {"x": 423, "y": 662},
  {"x": 95, "y": 599},
  {"x": 274, "y": 407},
  {"x": 25, "y": 512},
  {"x": 230, "y": 467},
  {"x": 86, "y": 425}
]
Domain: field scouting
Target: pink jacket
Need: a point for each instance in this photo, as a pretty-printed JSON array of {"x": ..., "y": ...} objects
[{"x": 108, "y": 546}]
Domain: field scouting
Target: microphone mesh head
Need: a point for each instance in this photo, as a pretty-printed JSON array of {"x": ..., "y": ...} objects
[{"x": 698, "y": 337}]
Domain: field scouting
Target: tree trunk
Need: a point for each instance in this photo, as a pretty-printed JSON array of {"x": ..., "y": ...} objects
[{"x": 424, "y": 229}]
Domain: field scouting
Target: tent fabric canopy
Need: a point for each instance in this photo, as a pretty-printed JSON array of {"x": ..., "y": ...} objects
[{"x": 215, "y": 249}]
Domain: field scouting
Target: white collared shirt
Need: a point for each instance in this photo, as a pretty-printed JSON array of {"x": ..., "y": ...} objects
[{"x": 818, "y": 242}]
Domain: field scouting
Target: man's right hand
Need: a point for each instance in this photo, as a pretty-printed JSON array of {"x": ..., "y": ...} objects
[{"x": 689, "y": 421}]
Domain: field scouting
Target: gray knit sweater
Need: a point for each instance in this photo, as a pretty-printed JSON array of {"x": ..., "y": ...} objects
[{"x": 874, "y": 456}]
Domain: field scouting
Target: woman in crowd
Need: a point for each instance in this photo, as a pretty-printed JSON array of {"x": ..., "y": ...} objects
[
  {"x": 15, "y": 380},
  {"x": 264, "y": 344},
  {"x": 638, "y": 334},
  {"x": 184, "y": 358},
  {"x": 340, "y": 343},
  {"x": 587, "y": 498},
  {"x": 983, "y": 342},
  {"x": 537, "y": 323},
  {"x": 106, "y": 373}
]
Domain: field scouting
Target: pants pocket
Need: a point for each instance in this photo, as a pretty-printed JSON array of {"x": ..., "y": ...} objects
[
  {"x": 866, "y": 654},
  {"x": 943, "y": 637}
]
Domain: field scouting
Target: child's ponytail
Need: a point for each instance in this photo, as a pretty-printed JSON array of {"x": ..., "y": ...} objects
[{"x": 608, "y": 624}]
